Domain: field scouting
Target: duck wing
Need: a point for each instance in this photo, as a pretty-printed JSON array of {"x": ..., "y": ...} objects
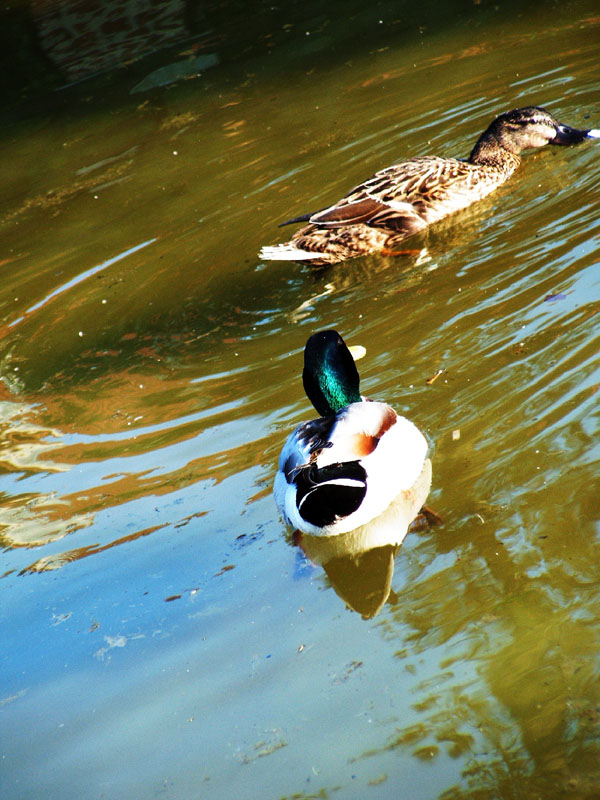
[
  {"x": 433, "y": 187},
  {"x": 333, "y": 483},
  {"x": 336, "y": 473},
  {"x": 367, "y": 211},
  {"x": 304, "y": 444},
  {"x": 308, "y": 493},
  {"x": 387, "y": 447},
  {"x": 398, "y": 197},
  {"x": 418, "y": 179}
]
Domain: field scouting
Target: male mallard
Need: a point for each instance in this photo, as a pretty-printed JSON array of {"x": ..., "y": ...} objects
[
  {"x": 341, "y": 471},
  {"x": 407, "y": 197}
]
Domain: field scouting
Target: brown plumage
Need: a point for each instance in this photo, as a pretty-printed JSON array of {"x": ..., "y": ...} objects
[{"x": 405, "y": 198}]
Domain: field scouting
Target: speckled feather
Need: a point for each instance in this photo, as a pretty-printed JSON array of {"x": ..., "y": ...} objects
[{"x": 403, "y": 199}]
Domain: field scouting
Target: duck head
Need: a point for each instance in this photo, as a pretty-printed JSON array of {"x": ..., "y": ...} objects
[
  {"x": 523, "y": 128},
  {"x": 330, "y": 377}
]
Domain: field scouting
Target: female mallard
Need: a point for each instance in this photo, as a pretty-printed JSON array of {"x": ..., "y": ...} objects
[
  {"x": 407, "y": 197},
  {"x": 344, "y": 469}
]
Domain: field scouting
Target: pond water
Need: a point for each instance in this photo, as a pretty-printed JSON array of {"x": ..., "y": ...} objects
[{"x": 161, "y": 634}]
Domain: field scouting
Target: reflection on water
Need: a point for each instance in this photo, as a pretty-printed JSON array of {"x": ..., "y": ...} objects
[
  {"x": 537, "y": 657},
  {"x": 360, "y": 564},
  {"x": 146, "y": 582},
  {"x": 70, "y": 284},
  {"x": 85, "y": 39}
]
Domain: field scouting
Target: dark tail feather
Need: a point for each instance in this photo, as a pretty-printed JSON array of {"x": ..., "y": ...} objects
[
  {"x": 303, "y": 218},
  {"x": 327, "y": 494}
]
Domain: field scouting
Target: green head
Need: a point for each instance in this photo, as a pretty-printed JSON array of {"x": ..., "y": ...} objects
[{"x": 330, "y": 377}]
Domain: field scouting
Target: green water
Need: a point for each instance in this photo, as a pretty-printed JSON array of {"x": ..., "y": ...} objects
[{"x": 161, "y": 635}]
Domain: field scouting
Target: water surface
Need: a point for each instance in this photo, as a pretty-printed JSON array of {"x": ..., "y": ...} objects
[{"x": 162, "y": 636}]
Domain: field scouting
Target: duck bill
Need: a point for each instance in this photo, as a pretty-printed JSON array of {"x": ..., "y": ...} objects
[{"x": 567, "y": 135}]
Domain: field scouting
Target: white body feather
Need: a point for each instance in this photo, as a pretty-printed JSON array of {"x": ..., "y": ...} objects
[{"x": 286, "y": 252}]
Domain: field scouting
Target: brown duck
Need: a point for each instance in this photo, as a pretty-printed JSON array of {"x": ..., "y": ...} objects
[{"x": 407, "y": 197}]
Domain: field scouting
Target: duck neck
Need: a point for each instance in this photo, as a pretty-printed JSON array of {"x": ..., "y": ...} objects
[
  {"x": 329, "y": 391},
  {"x": 489, "y": 152},
  {"x": 330, "y": 377}
]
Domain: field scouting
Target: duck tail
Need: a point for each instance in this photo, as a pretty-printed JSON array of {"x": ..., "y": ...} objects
[
  {"x": 287, "y": 252},
  {"x": 302, "y": 218}
]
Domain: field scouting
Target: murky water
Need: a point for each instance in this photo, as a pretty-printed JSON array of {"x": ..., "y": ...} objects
[{"x": 161, "y": 636}]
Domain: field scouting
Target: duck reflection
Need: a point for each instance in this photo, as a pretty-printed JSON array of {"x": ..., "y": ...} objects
[{"x": 360, "y": 563}]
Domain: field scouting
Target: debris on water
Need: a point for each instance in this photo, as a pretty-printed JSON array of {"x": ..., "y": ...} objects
[
  {"x": 434, "y": 377},
  {"x": 115, "y": 641},
  {"x": 342, "y": 677},
  {"x": 58, "y": 619},
  {"x": 226, "y": 568},
  {"x": 172, "y": 597},
  {"x": 427, "y": 753},
  {"x": 456, "y": 435},
  {"x": 553, "y": 298},
  {"x": 264, "y": 747}
]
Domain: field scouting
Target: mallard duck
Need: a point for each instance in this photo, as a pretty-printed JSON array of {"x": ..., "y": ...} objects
[
  {"x": 342, "y": 470},
  {"x": 407, "y": 197}
]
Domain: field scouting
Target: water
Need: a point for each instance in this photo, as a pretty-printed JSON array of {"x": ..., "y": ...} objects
[{"x": 162, "y": 636}]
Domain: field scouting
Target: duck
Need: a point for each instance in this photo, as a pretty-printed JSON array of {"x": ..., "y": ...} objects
[
  {"x": 342, "y": 470},
  {"x": 407, "y": 197}
]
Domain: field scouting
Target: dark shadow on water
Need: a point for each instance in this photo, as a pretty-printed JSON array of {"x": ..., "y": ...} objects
[{"x": 121, "y": 43}]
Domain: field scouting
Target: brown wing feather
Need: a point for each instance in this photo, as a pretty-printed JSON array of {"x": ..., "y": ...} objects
[
  {"x": 393, "y": 204},
  {"x": 363, "y": 210},
  {"x": 391, "y": 219},
  {"x": 397, "y": 197}
]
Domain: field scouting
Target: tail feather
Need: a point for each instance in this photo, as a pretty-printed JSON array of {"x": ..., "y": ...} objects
[
  {"x": 287, "y": 252},
  {"x": 302, "y": 218},
  {"x": 329, "y": 493}
]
